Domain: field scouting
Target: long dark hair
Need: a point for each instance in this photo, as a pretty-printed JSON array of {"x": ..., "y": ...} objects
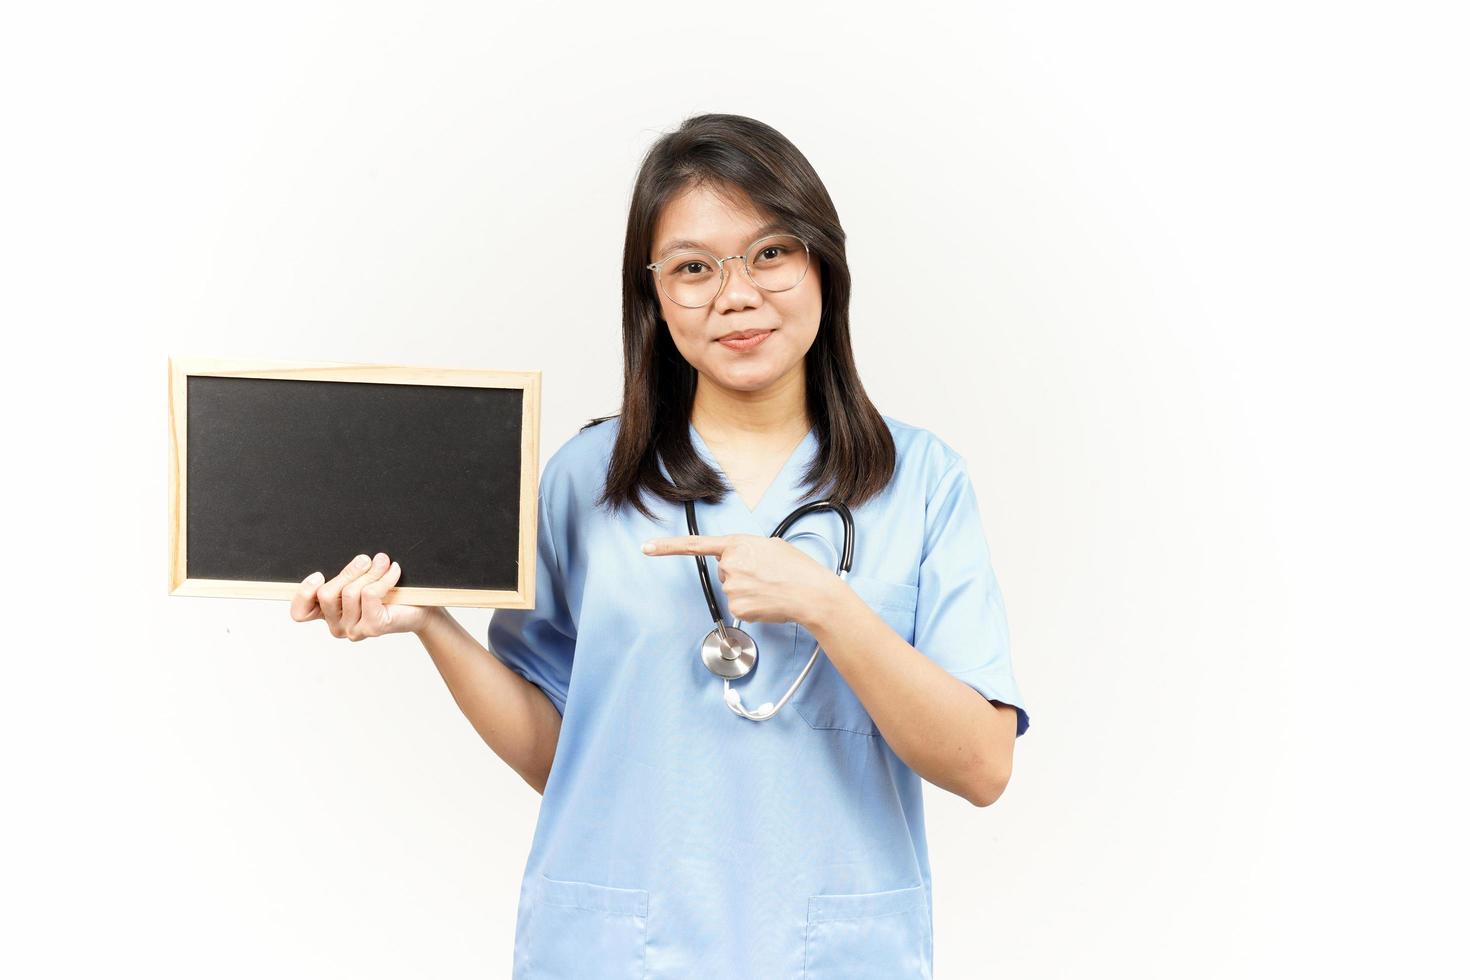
[{"x": 855, "y": 455}]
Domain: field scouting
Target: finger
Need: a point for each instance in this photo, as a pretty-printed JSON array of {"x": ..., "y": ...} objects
[
  {"x": 688, "y": 544},
  {"x": 329, "y": 596},
  {"x": 352, "y": 592},
  {"x": 375, "y": 615},
  {"x": 304, "y": 607}
]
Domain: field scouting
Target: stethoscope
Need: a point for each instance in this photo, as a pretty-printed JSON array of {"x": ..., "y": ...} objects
[{"x": 730, "y": 652}]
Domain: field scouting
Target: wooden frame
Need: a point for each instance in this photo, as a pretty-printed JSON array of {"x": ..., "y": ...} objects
[{"x": 181, "y": 368}]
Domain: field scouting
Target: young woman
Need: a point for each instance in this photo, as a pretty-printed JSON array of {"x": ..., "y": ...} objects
[{"x": 684, "y": 832}]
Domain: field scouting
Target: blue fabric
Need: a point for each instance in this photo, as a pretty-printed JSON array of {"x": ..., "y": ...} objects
[{"x": 676, "y": 839}]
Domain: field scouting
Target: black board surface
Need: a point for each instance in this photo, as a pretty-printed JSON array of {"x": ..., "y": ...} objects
[{"x": 286, "y": 477}]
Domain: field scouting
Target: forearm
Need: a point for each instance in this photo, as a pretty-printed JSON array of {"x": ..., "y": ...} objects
[
  {"x": 512, "y": 715},
  {"x": 939, "y": 726}
]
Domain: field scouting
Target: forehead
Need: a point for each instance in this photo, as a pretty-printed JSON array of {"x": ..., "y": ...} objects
[{"x": 722, "y": 221}]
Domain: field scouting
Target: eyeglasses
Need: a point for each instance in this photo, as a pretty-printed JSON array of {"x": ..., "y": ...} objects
[{"x": 774, "y": 264}]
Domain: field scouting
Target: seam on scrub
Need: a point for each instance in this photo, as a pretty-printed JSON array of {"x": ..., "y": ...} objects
[
  {"x": 983, "y": 668},
  {"x": 957, "y": 463},
  {"x": 798, "y": 699},
  {"x": 996, "y": 683},
  {"x": 559, "y": 701},
  {"x": 876, "y": 915},
  {"x": 559, "y": 579},
  {"x": 589, "y": 908},
  {"x": 551, "y": 536},
  {"x": 839, "y": 728},
  {"x": 899, "y": 596}
]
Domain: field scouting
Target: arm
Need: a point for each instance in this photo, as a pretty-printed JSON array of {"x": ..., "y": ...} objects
[
  {"x": 940, "y": 726},
  {"x": 512, "y": 715}
]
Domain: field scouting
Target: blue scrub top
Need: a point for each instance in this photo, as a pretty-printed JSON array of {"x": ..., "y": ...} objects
[{"x": 677, "y": 839}]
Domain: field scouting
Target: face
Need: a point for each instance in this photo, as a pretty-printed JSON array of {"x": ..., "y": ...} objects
[{"x": 790, "y": 316}]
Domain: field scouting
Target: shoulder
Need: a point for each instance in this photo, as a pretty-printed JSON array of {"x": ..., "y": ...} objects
[
  {"x": 923, "y": 457},
  {"x": 579, "y": 464},
  {"x": 934, "y": 479}
]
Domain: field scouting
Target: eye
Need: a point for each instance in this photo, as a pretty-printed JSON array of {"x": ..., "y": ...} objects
[{"x": 773, "y": 254}]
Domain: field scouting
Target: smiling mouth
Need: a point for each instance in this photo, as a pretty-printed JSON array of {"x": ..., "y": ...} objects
[{"x": 742, "y": 334}]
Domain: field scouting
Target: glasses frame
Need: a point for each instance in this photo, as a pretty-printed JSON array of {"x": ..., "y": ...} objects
[{"x": 744, "y": 258}]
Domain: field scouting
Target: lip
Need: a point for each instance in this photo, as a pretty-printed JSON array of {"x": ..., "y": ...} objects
[{"x": 743, "y": 340}]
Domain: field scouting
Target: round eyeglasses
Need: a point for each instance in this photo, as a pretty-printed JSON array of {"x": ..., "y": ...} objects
[{"x": 694, "y": 277}]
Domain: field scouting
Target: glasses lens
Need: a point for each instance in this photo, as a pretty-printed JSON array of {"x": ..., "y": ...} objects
[
  {"x": 776, "y": 263},
  {"x": 691, "y": 278}
]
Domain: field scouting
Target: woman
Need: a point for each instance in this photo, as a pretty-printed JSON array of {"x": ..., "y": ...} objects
[{"x": 677, "y": 835}]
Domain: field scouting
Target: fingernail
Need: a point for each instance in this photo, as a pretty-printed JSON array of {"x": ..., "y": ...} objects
[
  {"x": 316, "y": 578},
  {"x": 362, "y": 561},
  {"x": 648, "y": 547}
]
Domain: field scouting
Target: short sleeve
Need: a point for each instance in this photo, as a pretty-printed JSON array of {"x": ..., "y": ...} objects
[
  {"x": 538, "y": 643},
  {"x": 960, "y": 621}
]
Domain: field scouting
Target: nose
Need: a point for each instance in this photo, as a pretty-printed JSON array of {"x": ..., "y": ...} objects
[{"x": 736, "y": 289}]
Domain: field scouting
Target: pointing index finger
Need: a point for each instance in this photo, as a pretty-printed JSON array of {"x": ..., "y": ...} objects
[{"x": 688, "y": 544}]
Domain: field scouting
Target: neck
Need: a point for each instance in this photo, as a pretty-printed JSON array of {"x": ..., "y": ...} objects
[{"x": 777, "y": 412}]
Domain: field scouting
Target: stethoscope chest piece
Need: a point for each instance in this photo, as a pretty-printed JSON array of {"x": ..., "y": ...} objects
[{"x": 732, "y": 661}]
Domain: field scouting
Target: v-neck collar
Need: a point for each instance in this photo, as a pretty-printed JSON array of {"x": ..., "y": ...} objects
[{"x": 781, "y": 488}]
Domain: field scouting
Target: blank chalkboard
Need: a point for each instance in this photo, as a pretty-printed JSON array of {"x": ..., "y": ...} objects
[{"x": 280, "y": 469}]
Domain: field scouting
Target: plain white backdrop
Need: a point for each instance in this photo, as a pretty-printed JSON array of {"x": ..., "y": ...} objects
[{"x": 1185, "y": 283}]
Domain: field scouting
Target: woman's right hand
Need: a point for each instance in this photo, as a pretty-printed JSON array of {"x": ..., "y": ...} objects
[{"x": 352, "y": 603}]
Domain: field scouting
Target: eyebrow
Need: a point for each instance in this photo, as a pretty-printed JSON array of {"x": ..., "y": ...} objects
[{"x": 688, "y": 243}]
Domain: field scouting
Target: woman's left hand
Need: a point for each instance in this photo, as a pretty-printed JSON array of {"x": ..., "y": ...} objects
[{"x": 765, "y": 579}]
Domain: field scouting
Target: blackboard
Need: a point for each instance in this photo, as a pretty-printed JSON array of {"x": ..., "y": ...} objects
[{"x": 280, "y": 469}]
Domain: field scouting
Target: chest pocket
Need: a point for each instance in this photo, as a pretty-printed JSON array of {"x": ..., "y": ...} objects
[{"x": 824, "y": 700}]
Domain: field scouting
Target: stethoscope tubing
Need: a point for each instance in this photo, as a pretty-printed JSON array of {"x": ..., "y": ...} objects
[
  {"x": 732, "y": 696},
  {"x": 844, "y": 563}
]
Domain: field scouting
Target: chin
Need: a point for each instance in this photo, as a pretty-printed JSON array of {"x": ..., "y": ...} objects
[{"x": 751, "y": 377}]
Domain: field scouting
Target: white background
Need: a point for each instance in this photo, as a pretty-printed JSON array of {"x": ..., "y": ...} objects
[{"x": 1185, "y": 283}]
